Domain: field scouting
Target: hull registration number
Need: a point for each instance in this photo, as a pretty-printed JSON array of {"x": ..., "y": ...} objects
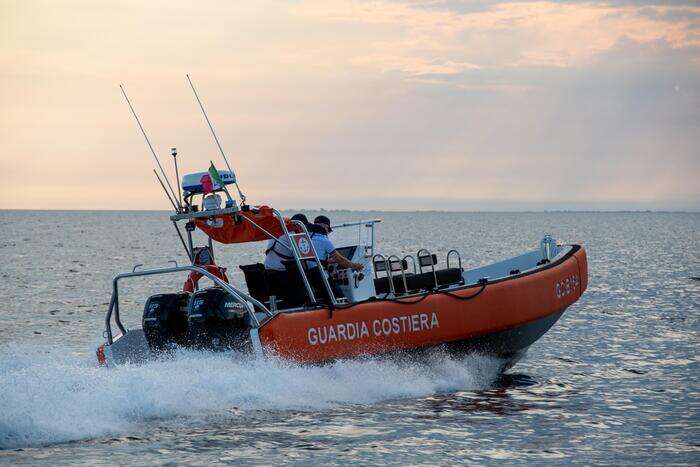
[{"x": 566, "y": 286}]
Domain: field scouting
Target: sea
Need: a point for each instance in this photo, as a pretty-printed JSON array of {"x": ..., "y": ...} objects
[{"x": 614, "y": 382}]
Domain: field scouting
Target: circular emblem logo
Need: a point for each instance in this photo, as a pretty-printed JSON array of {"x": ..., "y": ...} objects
[{"x": 304, "y": 246}]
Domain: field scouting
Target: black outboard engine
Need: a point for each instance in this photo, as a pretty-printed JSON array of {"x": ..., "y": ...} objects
[
  {"x": 217, "y": 321},
  {"x": 165, "y": 320}
]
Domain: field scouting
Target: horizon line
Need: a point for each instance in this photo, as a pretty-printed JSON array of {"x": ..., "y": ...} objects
[{"x": 447, "y": 211}]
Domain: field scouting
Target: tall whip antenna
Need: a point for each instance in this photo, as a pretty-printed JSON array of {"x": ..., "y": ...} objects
[
  {"x": 173, "y": 152},
  {"x": 151, "y": 148},
  {"x": 166, "y": 191},
  {"x": 216, "y": 139}
]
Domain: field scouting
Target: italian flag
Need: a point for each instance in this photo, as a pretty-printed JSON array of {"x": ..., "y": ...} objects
[
  {"x": 214, "y": 174},
  {"x": 208, "y": 179},
  {"x": 216, "y": 178}
]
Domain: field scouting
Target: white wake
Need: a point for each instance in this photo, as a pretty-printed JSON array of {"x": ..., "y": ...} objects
[{"x": 50, "y": 398}]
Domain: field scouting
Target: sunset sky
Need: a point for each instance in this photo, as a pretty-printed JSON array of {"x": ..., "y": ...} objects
[{"x": 455, "y": 105}]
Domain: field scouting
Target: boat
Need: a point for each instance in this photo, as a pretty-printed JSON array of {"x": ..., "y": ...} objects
[
  {"x": 399, "y": 304},
  {"x": 395, "y": 305}
]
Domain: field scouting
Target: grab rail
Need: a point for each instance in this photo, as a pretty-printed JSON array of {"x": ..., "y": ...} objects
[
  {"x": 413, "y": 260},
  {"x": 431, "y": 259},
  {"x": 459, "y": 258},
  {"x": 379, "y": 260},
  {"x": 249, "y": 302},
  {"x": 393, "y": 259},
  {"x": 356, "y": 223},
  {"x": 295, "y": 254},
  {"x": 369, "y": 224},
  {"x": 321, "y": 271},
  {"x": 387, "y": 269}
]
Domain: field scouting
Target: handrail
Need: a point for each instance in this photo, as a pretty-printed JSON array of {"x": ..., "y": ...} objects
[
  {"x": 295, "y": 254},
  {"x": 248, "y": 301},
  {"x": 321, "y": 271},
  {"x": 432, "y": 263},
  {"x": 387, "y": 269},
  {"x": 413, "y": 260},
  {"x": 382, "y": 261},
  {"x": 205, "y": 213},
  {"x": 403, "y": 272},
  {"x": 459, "y": 258},
  {"x": 268, "y": 234},
  {"x": 353, "y": 224},
  {"x": 292, "y": 249},
  {"x": 367, "y": 223}
]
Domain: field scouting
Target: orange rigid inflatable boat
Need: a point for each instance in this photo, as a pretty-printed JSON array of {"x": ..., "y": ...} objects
[{"x": 395, "y": 305}]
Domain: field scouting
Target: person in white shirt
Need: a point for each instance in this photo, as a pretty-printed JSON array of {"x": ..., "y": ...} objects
[
  {"x": 279, "y": 249},
  {"x": 279, "y": 252}
]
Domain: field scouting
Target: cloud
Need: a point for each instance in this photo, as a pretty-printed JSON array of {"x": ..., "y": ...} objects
[
  {"x": 356, "y": 105},
  {"x": 613, "y": 132},
  {"x": 504, "y": 34},
  {"x": 413, "y": 66}
]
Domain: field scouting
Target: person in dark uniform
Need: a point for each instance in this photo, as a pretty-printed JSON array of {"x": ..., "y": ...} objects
[
  {"x": 325, "y": 250},
  {"x": 327, "y": 253}
]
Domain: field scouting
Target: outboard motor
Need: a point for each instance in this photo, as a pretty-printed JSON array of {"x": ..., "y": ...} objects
[
  {"x": 217, "y": 321},
  {"x": 165, "y": 320}
]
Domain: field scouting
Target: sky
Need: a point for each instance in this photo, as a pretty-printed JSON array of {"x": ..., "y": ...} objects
[{"x": 396, "y": 105}]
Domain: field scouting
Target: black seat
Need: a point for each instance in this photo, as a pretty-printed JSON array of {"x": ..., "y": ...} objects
[
  {"x": 313, "y": 275},
  {"x": 288, "y": 286},
  {"x": 426, "y": 280},
  {"x": 417, "y": 282},
  {"x": 381, "y": 284},
  {"x": 423, "y": 281},
  {"x": 449, "y": 276},
  {"x": 256, "y": 279}
]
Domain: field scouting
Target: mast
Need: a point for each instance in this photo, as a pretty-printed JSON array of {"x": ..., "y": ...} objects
[{"x": 173, "y": 151}]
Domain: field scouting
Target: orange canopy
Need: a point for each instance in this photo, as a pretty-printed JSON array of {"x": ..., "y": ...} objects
[{"x": 227, "y": 230}]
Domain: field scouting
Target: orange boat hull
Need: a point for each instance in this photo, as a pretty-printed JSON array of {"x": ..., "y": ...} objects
[{"x": 503, "y": 319}]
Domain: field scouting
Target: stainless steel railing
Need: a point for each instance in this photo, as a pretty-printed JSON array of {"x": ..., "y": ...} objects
[{"x": 246, "y": 300}]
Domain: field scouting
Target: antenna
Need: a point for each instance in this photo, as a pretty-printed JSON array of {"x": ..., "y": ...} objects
[
  {"x": 151, "y": 148},
  {"x": 166, "y": 191},
  {"x": 216, "y": 139},
  {"x": 173, "y": 152}
]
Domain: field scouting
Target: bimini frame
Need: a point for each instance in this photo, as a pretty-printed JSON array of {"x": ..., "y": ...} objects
[
  {"x": 250, "y": 303},
  {"x": 291, "y": 244},
  {"x": 246, "y": 300}
]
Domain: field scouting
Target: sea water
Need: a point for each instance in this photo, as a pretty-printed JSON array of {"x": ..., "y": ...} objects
[{"x": 615, "y": 381}]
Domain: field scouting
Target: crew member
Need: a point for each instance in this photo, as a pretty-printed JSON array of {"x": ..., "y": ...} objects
[
  {"x": 325, "y": 250},
  {"x": 285, "y": 285},
  {"x": 280, "y": 250}
]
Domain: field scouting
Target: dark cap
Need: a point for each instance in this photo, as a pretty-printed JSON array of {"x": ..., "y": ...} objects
[
  {"x": 323, "y": 220},
  {"x": 300, "y": 217}
]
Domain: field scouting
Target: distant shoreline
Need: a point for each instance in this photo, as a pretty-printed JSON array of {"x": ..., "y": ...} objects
[{"x": 395, "y": 211}]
